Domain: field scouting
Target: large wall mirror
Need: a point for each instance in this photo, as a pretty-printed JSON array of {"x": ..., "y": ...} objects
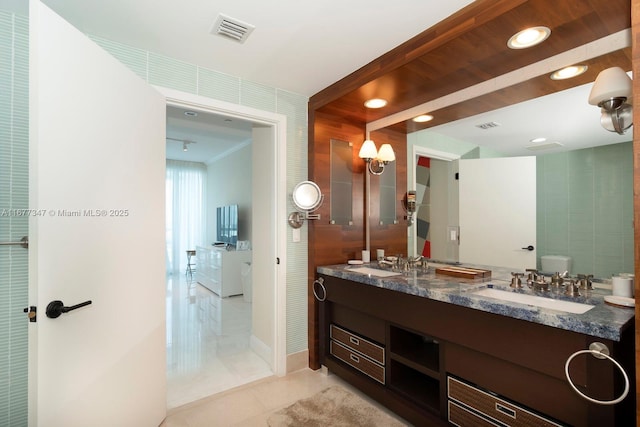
[{"x": 583, "y": 198}]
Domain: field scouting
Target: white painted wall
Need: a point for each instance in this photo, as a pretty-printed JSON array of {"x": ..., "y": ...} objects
[{"x": 228, "y": 183}]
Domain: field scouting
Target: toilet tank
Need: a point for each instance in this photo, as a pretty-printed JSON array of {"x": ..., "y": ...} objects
[{"x": 555, "y": 263}]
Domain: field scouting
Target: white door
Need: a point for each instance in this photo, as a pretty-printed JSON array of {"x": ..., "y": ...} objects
[
  {"x": 264, "y": 244},
  {"x": 97, "y": 181},
  {"x": 498, "y": 212}
]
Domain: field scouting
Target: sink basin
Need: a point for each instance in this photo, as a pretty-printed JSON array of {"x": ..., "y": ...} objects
[
  {"x": 374, "y": 272},
  {"x": 553, "y": 304}
]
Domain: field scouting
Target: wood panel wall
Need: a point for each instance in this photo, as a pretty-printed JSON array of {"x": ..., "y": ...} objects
[
  {"x": 390, "y": 237},
  {"x": 336, "y": 244}
]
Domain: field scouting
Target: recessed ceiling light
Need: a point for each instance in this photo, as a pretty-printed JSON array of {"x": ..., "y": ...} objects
[
  {"x": 536, "y": 140},
  {"x": 423, "y": 118},
  {"x": 191, "y": 113},
  {"x": 375, "y": 103},
  {"x": 529, "y": 37},
  {"x": 568, "y": 72}
]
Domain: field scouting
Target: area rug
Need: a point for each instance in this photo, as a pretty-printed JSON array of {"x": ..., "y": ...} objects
[{"x": 333, "y": 406}]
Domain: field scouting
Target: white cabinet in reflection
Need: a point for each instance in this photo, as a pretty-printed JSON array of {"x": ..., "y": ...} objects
[{"x": 218, "y": 269}]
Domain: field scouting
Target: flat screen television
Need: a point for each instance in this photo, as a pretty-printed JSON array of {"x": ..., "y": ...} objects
[{"x": 227, "y": 224}]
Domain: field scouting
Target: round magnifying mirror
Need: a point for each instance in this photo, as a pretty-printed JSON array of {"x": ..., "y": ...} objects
[{"x": 307, "y": 196}]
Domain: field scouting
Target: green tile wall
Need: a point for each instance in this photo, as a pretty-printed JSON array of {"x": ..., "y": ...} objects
[
  {"x": 585, "y": 208},
  {"x": 14, "y": 158}
]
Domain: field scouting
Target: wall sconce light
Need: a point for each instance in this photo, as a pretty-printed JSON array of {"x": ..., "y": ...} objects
[
  {"x": 612, "y": 93},
  {"x": 376, "y": 160}
]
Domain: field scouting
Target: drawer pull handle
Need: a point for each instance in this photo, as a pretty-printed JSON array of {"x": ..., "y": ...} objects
[
  {"x": 354, "y": 358},
  {"x": 354, "y": 340},
  {"x": 507, "y": 411}
]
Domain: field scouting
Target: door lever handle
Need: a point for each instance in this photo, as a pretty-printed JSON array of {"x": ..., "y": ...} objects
[
  {"x": 529, "y": 248},
  {"x": 57, "y": 307}
]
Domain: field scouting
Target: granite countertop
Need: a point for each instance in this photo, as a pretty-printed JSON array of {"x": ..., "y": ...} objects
[{"x": 603, "y": 321}]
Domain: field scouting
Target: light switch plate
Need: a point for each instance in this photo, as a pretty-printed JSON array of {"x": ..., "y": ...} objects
[
  {"x": 296, "y": 235},
  {"x": 453, "y": 233}
]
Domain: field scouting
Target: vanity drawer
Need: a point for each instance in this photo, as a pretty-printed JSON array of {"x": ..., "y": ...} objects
[
  {"x": 462, "y": 417},
  {"x": 358, "y": 361},
  {"x": 493, "y": 407},
  {"x": 357, "y": 343}
]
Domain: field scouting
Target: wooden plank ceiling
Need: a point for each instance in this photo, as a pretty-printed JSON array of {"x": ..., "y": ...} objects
[{"x": 430, "y": 65}]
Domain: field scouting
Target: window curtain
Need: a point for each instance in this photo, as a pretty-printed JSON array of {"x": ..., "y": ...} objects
[{"x": 186, "y": 211}]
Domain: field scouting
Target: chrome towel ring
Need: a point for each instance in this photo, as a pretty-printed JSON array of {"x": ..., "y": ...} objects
[
  {"x": 320, "y": 282},
  {"x": 600, "y": 351}
]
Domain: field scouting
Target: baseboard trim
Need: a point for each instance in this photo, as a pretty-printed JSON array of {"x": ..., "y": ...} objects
[
  {"x": 261, "y": 349},
  {"x": 297, "y": 361}
]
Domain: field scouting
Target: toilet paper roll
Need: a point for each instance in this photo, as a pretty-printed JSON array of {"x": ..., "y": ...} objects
[{"x": 622, "y": 286}]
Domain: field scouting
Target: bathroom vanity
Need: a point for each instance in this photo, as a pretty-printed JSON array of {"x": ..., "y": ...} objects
[{"x": 438, "y": 349}]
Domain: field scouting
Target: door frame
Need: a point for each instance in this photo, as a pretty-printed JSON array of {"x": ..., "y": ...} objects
[
  {"x": 418, "y": 150},
  {"x": 279, "y": 124}
]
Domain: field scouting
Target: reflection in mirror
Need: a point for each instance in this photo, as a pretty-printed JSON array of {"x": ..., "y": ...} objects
[
  {"x": 480, "y": 122},
  {"x": 341, "y": 182},
  {"x": 584, "y": 195},
  {"x": 388, "y": 195}
]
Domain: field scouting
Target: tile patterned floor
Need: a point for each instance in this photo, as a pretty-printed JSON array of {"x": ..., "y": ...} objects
[
  {"x": 213, "y": 378},
  {"x": 207, "y": 343}
]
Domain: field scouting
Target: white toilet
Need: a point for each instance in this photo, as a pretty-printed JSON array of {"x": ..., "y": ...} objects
[
  {"x": 555, "y": 263},
  {"x": 247, "y": 286}
]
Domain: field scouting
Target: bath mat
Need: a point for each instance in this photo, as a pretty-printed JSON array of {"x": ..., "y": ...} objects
[{"x": 333, "y": 406}]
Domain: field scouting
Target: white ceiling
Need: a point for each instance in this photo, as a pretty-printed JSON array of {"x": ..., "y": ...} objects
[
  {"x": 299, "y": 46},
  {"x": 304, "y": 47},
  {"x": 564, "y": 117},
  {"x": 211, "y": 136}
]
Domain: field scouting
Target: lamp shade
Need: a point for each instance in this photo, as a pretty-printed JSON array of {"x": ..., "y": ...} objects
[
  {"x": 386, "y": 153},
  {"x": 368, "y": 150},
  {"x": 611, "y": 88}
]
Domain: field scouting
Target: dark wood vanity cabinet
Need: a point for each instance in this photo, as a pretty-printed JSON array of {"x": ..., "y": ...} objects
[{"x": 432, "y": 362}]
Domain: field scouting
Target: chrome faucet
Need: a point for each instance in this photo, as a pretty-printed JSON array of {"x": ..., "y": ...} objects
[
  {"x": 539, "y": 284},
  {"x": 585, "y": 281},
  {"x": 516, "y": 281},
  {"x": 557, "y": 279},
  {"x": 532, "y": 275},
  {"x": 570, "y": 289}
]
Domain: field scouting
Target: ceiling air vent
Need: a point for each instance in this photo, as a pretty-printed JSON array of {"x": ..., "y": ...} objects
[
  {"x": 231, "y": 28},
  {"x": 488, "y": 125}
]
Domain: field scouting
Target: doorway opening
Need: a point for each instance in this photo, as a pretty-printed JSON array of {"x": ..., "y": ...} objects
[
  {"x": 436, "y": 197},
  {"x": 240, "y": 352}
]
